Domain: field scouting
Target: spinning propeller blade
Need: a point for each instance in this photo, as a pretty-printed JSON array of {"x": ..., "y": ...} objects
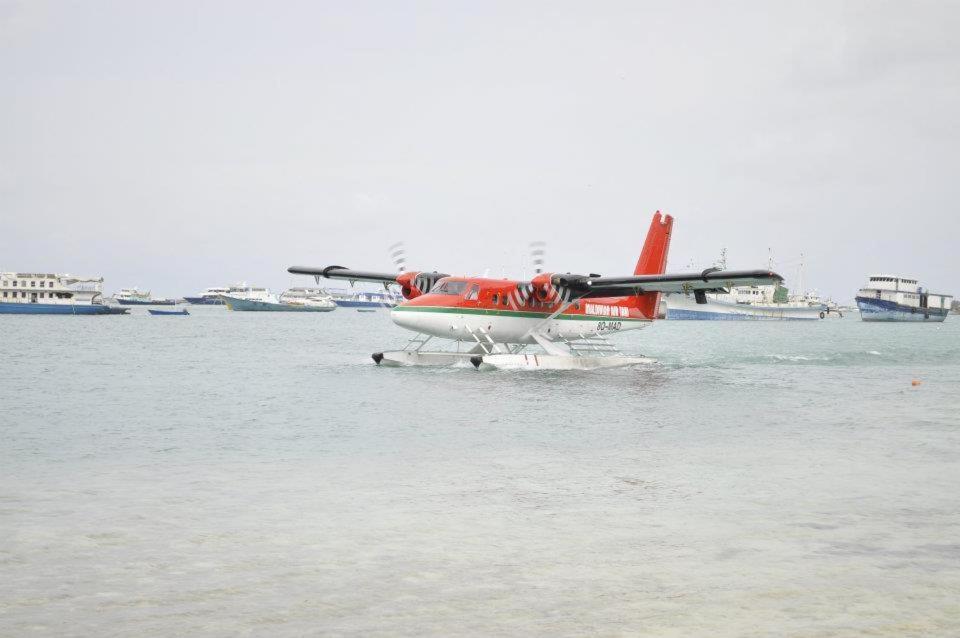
[
  {"x": 398, "y": 253},
  {"x": 537, "y": 250}
]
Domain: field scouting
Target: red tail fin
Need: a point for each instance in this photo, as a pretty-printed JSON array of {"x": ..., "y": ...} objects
[{"x": 653, "y": 260}]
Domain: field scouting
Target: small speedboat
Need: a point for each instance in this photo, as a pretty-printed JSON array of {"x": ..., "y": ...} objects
[{"x": 168, "y": 312}]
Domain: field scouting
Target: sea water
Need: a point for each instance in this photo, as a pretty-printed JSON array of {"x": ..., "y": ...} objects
[{"x": 255, "y": 474}]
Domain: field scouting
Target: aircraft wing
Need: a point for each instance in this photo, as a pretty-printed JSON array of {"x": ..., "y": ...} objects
[
  {"x": 584, "y": 286},
  {"x": 339, "y": 272}
]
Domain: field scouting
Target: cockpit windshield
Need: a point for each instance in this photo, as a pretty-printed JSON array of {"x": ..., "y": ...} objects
[{"x": 455, "y": 288}]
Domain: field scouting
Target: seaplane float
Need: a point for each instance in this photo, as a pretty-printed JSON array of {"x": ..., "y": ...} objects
[{"x": 489, "y": 323}]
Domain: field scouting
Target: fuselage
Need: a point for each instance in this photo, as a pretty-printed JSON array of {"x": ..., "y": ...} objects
[{"x": 462, "y": 308}]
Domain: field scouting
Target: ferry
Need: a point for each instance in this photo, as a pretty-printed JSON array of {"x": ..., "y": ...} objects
[
  {"x": 134, "y": 297},
  {"x": 890, "y": 298},
  {"x": 348, "y": 299},
  {"x": 51, "y": 294},
  {"x": 209, "y": 297}
]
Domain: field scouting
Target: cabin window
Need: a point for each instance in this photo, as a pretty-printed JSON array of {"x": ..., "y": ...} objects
[
  {"x": 449, "y": 288},
  {"x": 495, "y": 299},
  {"x": 473, "y": 293},
  {"x": 41, "y": 284},
  {"x": 41, "y": 295},
  {"x": 14, "y": 284},
  {"x": 4, "y": 294},
  {"x": 33, "y": 284}
]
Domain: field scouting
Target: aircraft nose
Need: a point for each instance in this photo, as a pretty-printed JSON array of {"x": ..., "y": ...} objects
[{"x": 403, "y": 319}]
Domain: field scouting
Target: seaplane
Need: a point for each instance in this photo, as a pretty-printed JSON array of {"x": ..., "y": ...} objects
[{"x": 491, "y": 323}]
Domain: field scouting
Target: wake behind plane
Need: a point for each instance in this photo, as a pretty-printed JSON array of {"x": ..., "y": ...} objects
[{"x": 490, "y": 323}]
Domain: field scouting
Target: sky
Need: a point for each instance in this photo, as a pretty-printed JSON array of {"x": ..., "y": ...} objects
[{"x": 179, "y": 145}]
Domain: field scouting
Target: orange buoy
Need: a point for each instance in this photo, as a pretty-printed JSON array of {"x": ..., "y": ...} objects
[{"x": 915, "y": 382}]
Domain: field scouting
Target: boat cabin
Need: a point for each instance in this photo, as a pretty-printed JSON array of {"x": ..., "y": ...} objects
[
  {"x": 44, "y": 288},
  {"x": 903, "y": 292},
  {"x": 891, "y": 283}
]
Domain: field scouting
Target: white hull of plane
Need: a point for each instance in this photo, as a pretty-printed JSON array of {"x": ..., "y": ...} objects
[{"x": 505, "y": 328}]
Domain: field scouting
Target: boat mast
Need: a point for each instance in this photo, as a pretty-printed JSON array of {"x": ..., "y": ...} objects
[{"x": 800, "y": 276}]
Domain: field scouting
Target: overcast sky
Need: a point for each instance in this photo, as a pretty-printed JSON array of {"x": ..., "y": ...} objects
[{"x": 179, "y": 145}]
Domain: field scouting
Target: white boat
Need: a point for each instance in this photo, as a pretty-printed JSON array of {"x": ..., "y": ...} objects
[
  {"x": 250, "y": 293},
  {"x": 52, "y": 294},
  {"x": 134, "y": 297},
  {"x": 813, "y": 298},
  {"x": 892, "y": 298},
  {"x": 312, "y": 298},
  {"x": 743, "y": 303},
  {"x": 254, "y": 298},
  {"x": 292, "y": 294},
  {"x": 209, "y": 296},
  {"x": 739, "y": 303},
  {"x": 360, "y": 299},
  {"x": 273, "y": 303}
]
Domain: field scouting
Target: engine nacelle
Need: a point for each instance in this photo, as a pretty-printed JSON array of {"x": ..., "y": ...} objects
[
  {"x": 414, "y": 284},
  {"x": 408, "y": 285},
  {"x": 543, "y": 288}
]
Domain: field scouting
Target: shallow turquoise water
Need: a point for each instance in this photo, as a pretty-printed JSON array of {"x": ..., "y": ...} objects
[{"x": 231, "y": 473}]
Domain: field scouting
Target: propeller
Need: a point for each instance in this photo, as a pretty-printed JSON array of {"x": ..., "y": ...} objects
[
  {"x": 398, "y": 253},
  {"x": 537, "y": 250},
  {"x": 556, "y": 292}
]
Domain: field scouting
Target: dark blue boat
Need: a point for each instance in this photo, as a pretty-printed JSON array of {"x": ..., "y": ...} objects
[
  {"x": 168, "y": 312},
  {"x": 60, "y": 309}
]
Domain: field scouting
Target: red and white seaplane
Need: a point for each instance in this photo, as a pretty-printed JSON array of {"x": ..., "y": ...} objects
[{"x": 490, "y": 322}]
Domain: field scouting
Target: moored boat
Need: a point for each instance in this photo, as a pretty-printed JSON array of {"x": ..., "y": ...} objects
[
  {"x": 748, "y": 303},
  {"x": 745, "y": 303},
  {"x": 209, "y": 297},
  {"x": 891, "y": 298},
  {"x": 266, "y": 302},
  {"x": 52, "y": 294},
  {"x": 346, "y": 299},
  {"x": 166, "y": 313},
  {"x": 135, "y": 297}
]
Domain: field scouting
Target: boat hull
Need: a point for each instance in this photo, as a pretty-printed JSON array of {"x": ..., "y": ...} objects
[
  {"x": 250, "y": 305},
  {"x": 168, "y": 313},
  {"x": 136, "y": 302},
  {"x": 682, "y": 307},
  {"x": 349, "y": 303},
  {"x": 881, "y": 310},
  {"x": 7, "y": 308},
  {"x": 204, "y": 301}
]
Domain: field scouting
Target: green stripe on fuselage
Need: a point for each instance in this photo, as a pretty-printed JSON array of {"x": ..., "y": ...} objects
[{"x": 511, "y": 313}]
